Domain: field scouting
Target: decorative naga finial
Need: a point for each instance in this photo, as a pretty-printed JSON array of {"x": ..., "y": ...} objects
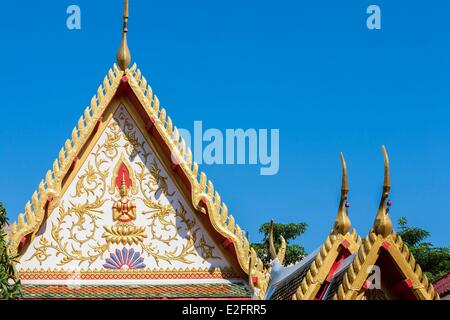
[
  {"x": 282, "y": 251},
  {"x": 342, "y": 223},
  {"x": 123, "y": 55},
  {"x": 383, "y": 224}
]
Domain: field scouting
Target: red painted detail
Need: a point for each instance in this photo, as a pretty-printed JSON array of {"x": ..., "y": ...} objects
[
  {"x": 343, "y": 254},
  {"x": 409, "y": 283},
  {"x": 386, "y": 245},
  {"x": 227, "y": 243},
  {"x": 334, "y": 267},
  {"x": 74, "y": 162},
  {"x": 323, "y": 288},
  {"x": 175, "y": 162},
  {"x": 367, "y": 284},
  {"x": 203, "y": 205},
  {"x": 150, "y": 124},
  {"x": 255, "y": 280},
  {"x": 97, "y": 124},
  {"x": 123, "y": 173},
  {"x": 22, "y": 244},
  {"x": 49, "y": 198},
  {"x": 232, "y": 250},
  {"x": 345, "y": 244},
  {"x": 124, "y": 79},
  {"x": 402, "y": 286}
]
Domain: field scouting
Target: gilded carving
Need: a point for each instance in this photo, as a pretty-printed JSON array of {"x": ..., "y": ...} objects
[
  {"x": 168, "y": 234},
  {"x": 124, "y": 214}
]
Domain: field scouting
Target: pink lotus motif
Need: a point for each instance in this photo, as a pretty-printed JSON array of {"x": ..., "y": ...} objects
[{"x": 125, "y": 259}]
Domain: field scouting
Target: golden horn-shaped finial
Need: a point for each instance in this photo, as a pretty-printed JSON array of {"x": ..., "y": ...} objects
[
  {"x": 124, "y": 55},
  {"x": 342, "y": 223},
  {"x": 383, "y": 224},
  {"x": 282, "y": 251}
]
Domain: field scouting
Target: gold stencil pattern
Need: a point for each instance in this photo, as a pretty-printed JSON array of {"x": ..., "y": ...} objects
[{"x": 171, "y": 235}]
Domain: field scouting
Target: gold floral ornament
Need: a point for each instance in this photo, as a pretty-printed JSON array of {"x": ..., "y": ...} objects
[{"x": 124, "y": 214}]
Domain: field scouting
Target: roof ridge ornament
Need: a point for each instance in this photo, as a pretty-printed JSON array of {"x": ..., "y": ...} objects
[
  {"x": 342, "y": 223},
  {"x": 123, "y": 54},
  {"x": 281, "y": 251},
  {"x": 383, "y": 224}
]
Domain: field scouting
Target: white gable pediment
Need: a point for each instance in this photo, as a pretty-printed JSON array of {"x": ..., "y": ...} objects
[{"x": 150, "y": 230}]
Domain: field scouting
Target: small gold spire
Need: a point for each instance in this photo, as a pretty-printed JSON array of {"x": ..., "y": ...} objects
[
  {"x": 342, "y": 223},
  {"x": 383, "y": 224},
  {"x": 124, "y": 55}
]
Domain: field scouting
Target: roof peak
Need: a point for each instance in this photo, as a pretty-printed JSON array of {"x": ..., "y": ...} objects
[{"x": 123, "y": 54}]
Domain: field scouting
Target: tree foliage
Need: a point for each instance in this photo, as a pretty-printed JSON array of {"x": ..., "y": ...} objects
[
  {"x": 434, "y": 261},
  {"x": 9, "y": 284},
  {"x": 290, "y": 231}
]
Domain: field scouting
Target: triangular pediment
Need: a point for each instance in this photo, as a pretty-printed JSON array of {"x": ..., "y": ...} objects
[
  {"x": 154, "y": 229},
  {"x": 329, "y": 258},
  {"x": 170, "y": 223},
  {"x": 384, "y": 264}
]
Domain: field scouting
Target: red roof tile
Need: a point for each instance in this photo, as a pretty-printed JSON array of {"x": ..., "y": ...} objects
[
  {"x": 193, "y": 291},
  {"x": 442, "y": 285}
]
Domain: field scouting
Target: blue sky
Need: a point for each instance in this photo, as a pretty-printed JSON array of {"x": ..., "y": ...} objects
[{"x": 309, "y": 68}]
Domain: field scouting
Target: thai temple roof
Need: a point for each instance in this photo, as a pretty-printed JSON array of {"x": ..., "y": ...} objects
[
  {"x": 222, "y": 264},
  {"x": 126, "y": 90},
  {"x": 285, "y": 281},
  {"x": 191, "y": 291},
  {"x": 340, "y": 268},
  {"x": 338, "y": 277},
  {"x": 442, "y": 285}
]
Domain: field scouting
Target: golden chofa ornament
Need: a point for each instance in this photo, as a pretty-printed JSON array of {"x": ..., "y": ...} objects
[
  {"x": 123, "y": 54},
  {"x": 383, "y": 224},
  {"x": 342, "y": 223}
]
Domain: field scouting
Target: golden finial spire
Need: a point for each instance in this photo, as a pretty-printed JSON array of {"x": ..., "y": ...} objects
[
  {"x": 383, "y": 224},
  {"x": 342, "y": 223},
  {"x": 123, "y": 55}
]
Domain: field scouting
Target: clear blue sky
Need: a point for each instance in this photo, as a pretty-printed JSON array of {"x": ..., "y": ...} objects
[{"x": 310, "y": 68}]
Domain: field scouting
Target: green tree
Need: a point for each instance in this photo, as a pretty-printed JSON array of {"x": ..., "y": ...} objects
[
  {"x": 9, "y": 284},
  {"x": 434, "y": 261},
  {"x": 290, "y": 231}
]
